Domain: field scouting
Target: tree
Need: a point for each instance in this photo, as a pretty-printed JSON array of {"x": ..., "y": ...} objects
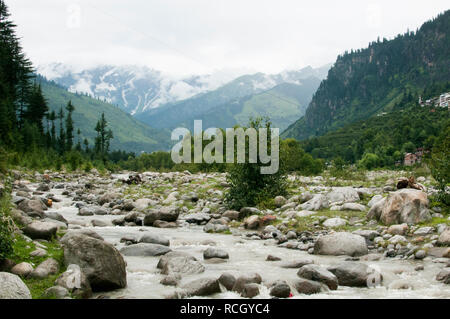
[
  {"x": 104, "y": 136},
  {"x": 62, "y": 134},
  {"x": 69, "y": 126},
  {"x": 37, "y": 108},
  {"x": 248, "y": 187}
]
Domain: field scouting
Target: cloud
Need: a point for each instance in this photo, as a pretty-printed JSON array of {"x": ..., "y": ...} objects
[{"x": 199, "y": 36}]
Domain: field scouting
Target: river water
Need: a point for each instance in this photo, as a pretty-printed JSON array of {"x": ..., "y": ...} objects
[{"x": 247, "y": 256}]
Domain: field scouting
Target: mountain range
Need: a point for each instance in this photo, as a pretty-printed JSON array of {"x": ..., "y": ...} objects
[
  {"x": 375, "y": 80},
  {"x": 129, "y": 134}
]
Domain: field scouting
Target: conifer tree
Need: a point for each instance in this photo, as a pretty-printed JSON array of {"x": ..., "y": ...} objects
[{"x": 69, "y": 126}]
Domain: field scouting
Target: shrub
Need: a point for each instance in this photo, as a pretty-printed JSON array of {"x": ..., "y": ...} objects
[
  {"x": 248, "y": 187},
  {"x": 6, "y": 228},
  {"x": 440, "y": 164}
]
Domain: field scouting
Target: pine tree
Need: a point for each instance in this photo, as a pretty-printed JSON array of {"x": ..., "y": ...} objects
[
  {"x": 102, "y": 141},
  {"x": 69, "y": 126},
  {"x": 37, "y": 108},
  {"x": 62, "y": 134}
]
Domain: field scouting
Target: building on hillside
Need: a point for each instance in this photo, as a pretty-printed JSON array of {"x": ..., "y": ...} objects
[
  {"x": 410, "y": 159},
  {"x": 444, "y": 100}
]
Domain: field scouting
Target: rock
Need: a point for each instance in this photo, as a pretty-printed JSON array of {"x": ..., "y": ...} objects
[
  {"x": 144, "y": 250},
  {"x": 374, "y": 200},
  {"x": 367, "y": 233},
  {"x": 420, "y": 254},
  {"x": 167, "y": 214},
  {"x": 56, "y": 216},
  {"x": 252, "y": 222},
  {"x": 250, "y": 290},
  {"x": 171, "y": 280},
  {"x": 444, "y": 275},
  {"x": 197, "y": 218},
  {"x": 307, "y": 287},
  {"x": 280, "y": 289},
  {"x": 444, "y": 238},
  {"x": 39, "y": 252},
  {"x": 202, "y": 287},
  {"x": 75, "y": 281},
  {"x": 163, "y": 224},
  {"x": 335, "y": 222},
  {"x": 318, "y": 202},
  {"x": 305, "y": 213},
  {"x": 231, "y": 214},
  {"x": 150, "y": 238},
  {"x": 341, "y": 244},
  {"x": 12, "y": 287},
  {"x": 41, "y": 230},
  {"x": 43, "y": 188},
  {"x": 101, "y": 262},
  {"x": 101, "y": 223},
  {"x": 422, "y": 231},
  {"x": 272, "y": 258},
  {"x": 243, "y": 280},
  {"x": 351, "y": 274},
  {"x": 215, "y": 253},
  {"x": 247, "y": 211},
  {"x": 45, "y": 269},
  {"x": 376, "y": 209},
  {"x": 279, "y": 201},
  {"x": 176, "y": 263},
  {"x": 320, "y": 274},
  {"x": 354, "y": 207},
  {"x": 215, "y": 228},
  {"x": 296, "y": 264},
  {"x": 397, "y": 239},
  {"x": 23, "y": 269},
  {"x": 56, "y": 292},
  {"x": 142, "y": 203},
  {"x": 398, "y": 229},
  {"x": 33, "y": 208},
  {"x": 86, "y": 211},
  {"x": 291, "y": 235},
  {"x": 227, "y": 280},
  {"x": 343, "y": 195},
  {"x": 408, "y": 206},
  {"x": 86, "y": 232}
]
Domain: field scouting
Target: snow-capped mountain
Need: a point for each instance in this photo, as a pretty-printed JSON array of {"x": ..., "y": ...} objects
[
  {"x": 139, "y": 89},
  {"x": 134, "y": 89}
]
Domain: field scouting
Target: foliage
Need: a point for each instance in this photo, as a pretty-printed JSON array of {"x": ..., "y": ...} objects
[
  {"x": 440, "y": 164},
  {"x": 385, "y": 77},
  {"x": 248, "y": 187},
  {"x": 6, "y": 227}
]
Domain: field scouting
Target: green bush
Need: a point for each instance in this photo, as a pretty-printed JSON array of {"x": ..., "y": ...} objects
[
  {"x": 248, "y": 187},
  {"x": 6, "y": 228}
]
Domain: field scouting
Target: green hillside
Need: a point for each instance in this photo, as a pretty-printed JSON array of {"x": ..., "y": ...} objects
[
  {"x": 364, "y": 83},
  {"x": 129, "y": 134}
]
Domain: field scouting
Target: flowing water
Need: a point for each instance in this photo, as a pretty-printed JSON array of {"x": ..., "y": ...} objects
[{"x": 250, "y": 256}]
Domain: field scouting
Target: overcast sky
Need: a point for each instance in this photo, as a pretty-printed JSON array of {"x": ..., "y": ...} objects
[{"x": 199, "y": 36}]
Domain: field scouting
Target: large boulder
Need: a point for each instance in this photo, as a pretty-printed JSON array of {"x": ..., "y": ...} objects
[
  {"x": 215, "y": 253},
  {"x": 12, "y": 287},
  {"x": 408, "y": 206},
  {"x": 252, "y": 222},
  {"x": 376, "y": 209},
  {"x": 150, "y": 238},
  {"x": 201, "y": 287},
  {"x": 23, "y": 269},
  {"x": 320, "y": 274},
  {"x": 33, "y": 208},
  {"x": 41, "y": 230},
  {"x": 318, "y": 202},
  {"x": 46, "y": 268},
  {"x": 166, "y": 214},
  {"x": 243, "y": 280},
  {"x": 180, "y": 263},
  {"x": 444, "y": 238},
  {"x": 307, "y": 287},
  {"x": 75, "y": 281},
  {"x": 143, "y": 249},
  {"x": 351, "y": 274},
  {"x": 343, "y": 195},
  {"x": 101, "y": 262},
  {"x": 341, "y": 243}
]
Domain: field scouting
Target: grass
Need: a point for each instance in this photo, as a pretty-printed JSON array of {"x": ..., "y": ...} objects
[{"x": 22, "y": 250}]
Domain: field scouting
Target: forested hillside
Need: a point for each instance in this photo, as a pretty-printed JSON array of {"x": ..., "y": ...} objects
[{"x": 364, "y": 83}]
